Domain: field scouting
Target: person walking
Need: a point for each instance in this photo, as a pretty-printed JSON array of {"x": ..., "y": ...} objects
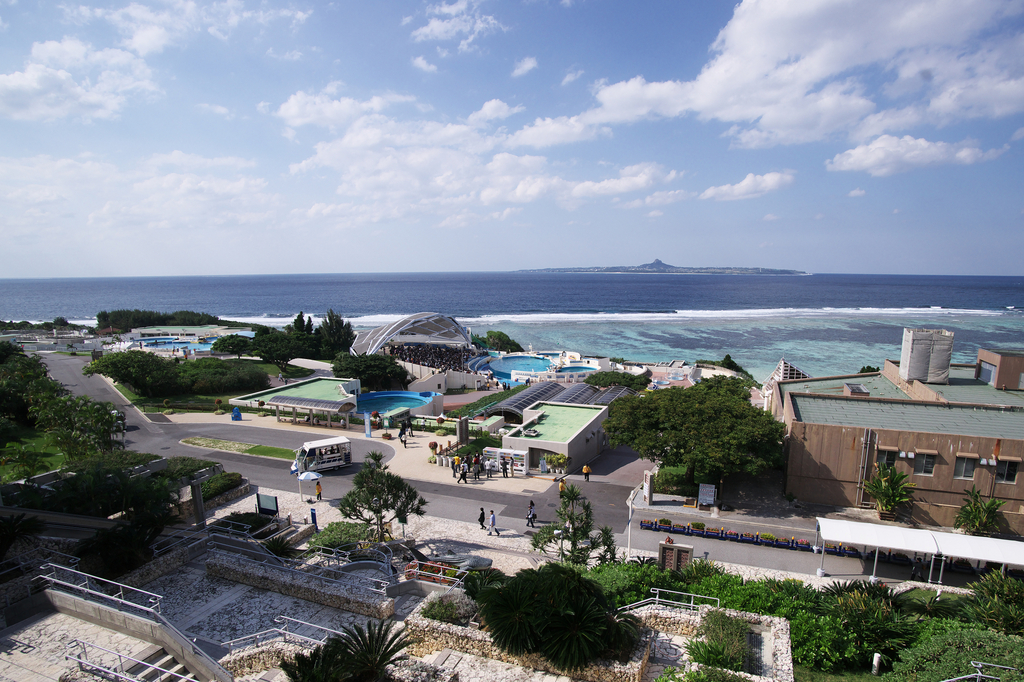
[
  {"x": 917, "y": 571},
  {"x": 319, "y": 492},
  {"x": 494, "y": 525},
  {"x": 456, "y": 461},
  {"x": 482, "y": 519},
  {"x": 504, "y": 467},
  {"x": 531, "y": 515},
  {"x": 561, "y": 487},
  {"x": 402, "y": 437},
  {"x": 465, "y": 473},
  {"x": 586, "y": 472}
]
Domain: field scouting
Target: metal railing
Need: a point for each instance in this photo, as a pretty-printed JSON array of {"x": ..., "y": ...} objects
[
  {"x": 977, "y": 674},
  {"x": 283, "y": 634},
  {"x": 444, "y": 575},
  {"x": 119, "y": 597},
  {"x": 674, "y": 599},
  {"x": 27, "y": 561},
  {"x": 378, "y": 552},
  {"x": 179, "y": 538},
  {"x": 78, "y": 650}
]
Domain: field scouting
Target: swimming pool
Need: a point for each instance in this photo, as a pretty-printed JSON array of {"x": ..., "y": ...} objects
[
  {"x": 577, "y": 368},
  {"x": 385, "y": 401},
  {"x": 503, "y": 367},
  {"x": 162, "y": 343}
]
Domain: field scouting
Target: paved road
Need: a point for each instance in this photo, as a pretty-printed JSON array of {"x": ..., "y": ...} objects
[{"x": 615, "y": 474}]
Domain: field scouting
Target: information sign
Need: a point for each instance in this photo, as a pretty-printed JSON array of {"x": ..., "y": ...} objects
[{"x": 706, "y": 494}]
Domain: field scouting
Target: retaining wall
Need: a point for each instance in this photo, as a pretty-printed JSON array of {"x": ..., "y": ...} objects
[
  {"x": 428, "y": 635},
  {"x": 308, "y": 587}
]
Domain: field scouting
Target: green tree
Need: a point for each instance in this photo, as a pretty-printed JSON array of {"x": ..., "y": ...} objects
[
  {"x": 868, "y": 369},
  {"x": 375, "y": 372},
  {"x": 359, "y": 654},
  {"x": 710, "y": 429},
  {"x": 726, "y": 363},
  {"x": 978, "y": 516},
  {"x": 574, "y": 538},
  {"x": 279, "y": 349},
  {"x": 889, "y": 488},
  {"x": 78, "y": 426},
  {"x": 24, "y": 462},
  {"x": 234, "y": 344},
  {"x": 949, "y": 655},
  {"x": 379, "y": 496},
  {"x": 146, "y": 373},
  {"x": 501, "y": 341},
  {"x": 636, "y": 382},
  {"x": 336, "y": 335}
]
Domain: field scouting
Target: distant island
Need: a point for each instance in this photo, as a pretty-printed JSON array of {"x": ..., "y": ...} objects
[{"x": 662, "y": 268}]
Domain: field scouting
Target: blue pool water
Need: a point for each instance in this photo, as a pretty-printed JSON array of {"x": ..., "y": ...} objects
[
  {"x": 577, "y": 368},
  {"x": 169, "y": 342},
  {"x": 385, "y": 401},
  {"x": 503, "y": 367}
]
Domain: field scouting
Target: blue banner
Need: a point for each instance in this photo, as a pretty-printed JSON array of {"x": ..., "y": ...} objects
[{"x": 366, "y": 424}]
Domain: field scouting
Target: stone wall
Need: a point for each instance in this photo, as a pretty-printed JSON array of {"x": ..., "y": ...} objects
[
  {"x": 680, "y": 622},
  {"x": 299, "y": 585},
  {"x": 186, "y": 508},
  {"x": 428, "y": 635},
  {"x": 253, "y": 660},
  {"x": 159, "y": 566}
]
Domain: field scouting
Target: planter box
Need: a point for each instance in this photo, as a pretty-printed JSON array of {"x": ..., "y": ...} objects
[
  {"x": 960, "y": 568},
  {"x": 681, "y": 530},
  {"x": 902, "y": 560},
  {"x": 664, "y": 529},
  {"x": 750, "y": 540},
  {"x": 785, "y": 544},
  {"x": 803, "y": 548},
  {"x": 647, "y": 526},
  {"x": 731, "y": 536},
  {"x": 855, "y": 553},
  {"x": 834, "y": 551}
]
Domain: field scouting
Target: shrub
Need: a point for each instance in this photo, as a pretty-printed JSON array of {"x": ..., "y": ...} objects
[
  {"x": 441, "y": 432},
  {"x": 710, "y": 675},
  {"x": 725, "y": 641},
  {"x": 221, "y": 483},
  {"x": 699, "y": 570},
  {"x": 997, "y": 602},
  {"x": 625, "y": 584},
  {"x": 672, "y": 481},
  {"x": 477, "y": 581},
  {"x": 120, "y": 460},
  {"x": 339, "y": 533},
  {"x": 950, "y": 655},
  {"x": 180, "y": 467},
  {"x": 252, "y": 519},
  {"x": 450, "y": 607}
]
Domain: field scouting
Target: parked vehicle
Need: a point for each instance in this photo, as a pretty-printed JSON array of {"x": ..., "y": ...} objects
[{"x": 322, "y": 455}]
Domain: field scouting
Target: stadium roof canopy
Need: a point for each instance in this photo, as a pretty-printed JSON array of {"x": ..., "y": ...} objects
[{"x": 432, "y": 328}]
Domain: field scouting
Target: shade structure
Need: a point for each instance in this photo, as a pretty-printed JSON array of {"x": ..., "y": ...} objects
[
  {"x": 307, "y": 476},
  {"x": 950, "y": 545},
  {"x": 431, "y": 328}
]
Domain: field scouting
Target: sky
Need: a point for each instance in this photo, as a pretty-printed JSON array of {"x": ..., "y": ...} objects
[{"x": 241, "y": 137}]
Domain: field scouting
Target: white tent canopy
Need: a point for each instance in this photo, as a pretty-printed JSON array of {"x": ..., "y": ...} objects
[
  {"x": 924, "y": 541},
  {"x": 419, "y": 328}
]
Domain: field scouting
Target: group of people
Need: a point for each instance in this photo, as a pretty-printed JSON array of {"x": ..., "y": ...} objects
[
  {"x": 438, "y": 357},
  {"x": 463, "y": 466},
  {"x": 492, "y": 521}
]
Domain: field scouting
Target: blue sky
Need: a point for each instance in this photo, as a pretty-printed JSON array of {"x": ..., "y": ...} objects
[{"x": 234, "y": 137}]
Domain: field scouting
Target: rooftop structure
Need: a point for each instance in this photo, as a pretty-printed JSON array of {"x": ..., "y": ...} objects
[
  {"x": 430, "y": 328},
  {"x": 202, "y": 331},
  {"x": 557, "y": 428}
]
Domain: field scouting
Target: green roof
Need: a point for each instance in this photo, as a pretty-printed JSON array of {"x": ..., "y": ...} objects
[
  {"x": 562, "y": 421},
  {"x": 954, "y": 419},
  {"x": 318, "y": 388},
  {"x": 964, "y": 388},
  {"x": 876, "y": 384}
]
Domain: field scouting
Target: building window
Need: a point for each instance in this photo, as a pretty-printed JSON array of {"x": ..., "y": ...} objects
[
  {"x": 924, "y": 465},
  {"x": 964, "y": 468},
  {"x": 1006, "y": 472},
  {"x": 987, "y": 373},
  {"x": 886, "y": 457}
]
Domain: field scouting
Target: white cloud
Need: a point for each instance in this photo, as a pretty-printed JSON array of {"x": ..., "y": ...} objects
[
  {"x": 524, "y": 66},
  {"x": 856, "y": 192},
  {"x": 1018, "y": 135},
  {"x": 216, "y": 109},
  {"x": 323, "y": 110},
  {"x": 655, "y": 214},
  {"x": 493, "y": 109},
  {"x": 631, "y": 179},
  {"x": 71, "y": 78},
  {"x": 662, "y": 198},
  {"x": 750, "y": 187},
  {"x": 888, "y": 154},
  {"x": 571, "y": 76},
  {"x": 290, "y": 56},
  {"x": 785, "y": 74},
  {"x": 423, "y": 65},
  {"x": 770, "y": 217},
  {"x": 146, "y": 30},
  {"x": 458, "y": 20},
  {"x": 545, "y": 132},
  {"x": 193, "y": 162}
]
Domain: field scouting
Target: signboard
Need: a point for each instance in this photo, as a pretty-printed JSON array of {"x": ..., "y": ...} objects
[
  {"x": 648, "y": 488},
  {"x": 266, "y": 504},
  {"x": 706, "y": 494},
  {"x": 672, "y": 557},
  {"x": 366, "y": 424}
]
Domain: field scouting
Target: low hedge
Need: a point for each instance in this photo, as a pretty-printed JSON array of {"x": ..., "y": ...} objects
[
  {"x": 180, "y": 467},
  {"x": 252, "y": 519},
  {"x": 220, "y": 484},
  {"x": 340, "y": 533}
]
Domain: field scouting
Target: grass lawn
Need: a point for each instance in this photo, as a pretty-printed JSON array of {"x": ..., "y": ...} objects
[
  {"x": 922, "y": 596},
  {"x": 802, "y": 674},
  {"x": 477, "y": 445},
  {"x": 244, "y": 448},
  {"x": 36, "y": 441}
]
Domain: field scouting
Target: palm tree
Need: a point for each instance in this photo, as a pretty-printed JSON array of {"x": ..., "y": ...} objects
[
  {"x": 323, "y": 664},
  {"x": 368, "y": 651},
  {"x": 977, "y": 516},
  {"x": 14, "y": 528},
  {"x": 889, "y": 488}
]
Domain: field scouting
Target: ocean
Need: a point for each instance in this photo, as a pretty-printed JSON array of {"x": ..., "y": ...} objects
[{"x": 822, "y": 323}]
